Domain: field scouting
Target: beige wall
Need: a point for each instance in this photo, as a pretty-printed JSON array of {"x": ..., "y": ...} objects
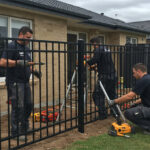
[
  {"x": 141, "y": 38},
  {"x": 113, "y": 38}
]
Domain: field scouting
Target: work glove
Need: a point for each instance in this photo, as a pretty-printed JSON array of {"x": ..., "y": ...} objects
[
  {"x": 22, "y": 63},
  {"x": 111, "y": 103},
  {"x": 93, "y": 67},
  {"x": 133, "y": 105},
  {"x": 38, "y": 74}
]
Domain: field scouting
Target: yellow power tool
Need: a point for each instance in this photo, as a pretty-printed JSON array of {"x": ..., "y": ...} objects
[{"x": 121, "y": 127}]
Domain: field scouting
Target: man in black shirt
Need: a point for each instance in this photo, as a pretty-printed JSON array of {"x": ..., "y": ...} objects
[
  {"x": 17, "y": 80},
  {"x": 140, "y": 114},
  {"x": 106, "y": 73}
]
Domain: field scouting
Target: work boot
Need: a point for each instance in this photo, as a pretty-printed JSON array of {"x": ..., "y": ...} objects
[
  {"x": 102, "y": 115},
  {"x": 102, "y": 112},
  {"x": 24, "y": 131},
  {"x": 16, "y": 136},
  {"x": 146, "y": 132},
  {"x": 21, "y": 138}
]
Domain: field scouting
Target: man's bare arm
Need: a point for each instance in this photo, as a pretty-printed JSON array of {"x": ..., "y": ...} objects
[
  {"x": 10, "y": 63},
  {"x": 126, "y": 97}
]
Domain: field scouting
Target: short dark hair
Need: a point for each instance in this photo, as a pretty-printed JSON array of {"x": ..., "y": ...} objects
[
  {"x": 140, "y": 66},
  {"x": 95, "y": 40},
  {"x": 24, "y": 30}
]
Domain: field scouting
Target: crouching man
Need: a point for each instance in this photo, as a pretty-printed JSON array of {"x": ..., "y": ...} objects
[{"x": 139, "y": 114}]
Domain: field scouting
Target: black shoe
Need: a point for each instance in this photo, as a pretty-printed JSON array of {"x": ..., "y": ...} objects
[
  {"x": 16, "y": 136},
  {"x": 102, "y": 117},
  {"x": 28, "y": 131},
  {"x": 21, "y": 138}
]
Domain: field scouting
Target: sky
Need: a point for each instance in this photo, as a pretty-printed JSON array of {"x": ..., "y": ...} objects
[{"x": 125, "y": 10}]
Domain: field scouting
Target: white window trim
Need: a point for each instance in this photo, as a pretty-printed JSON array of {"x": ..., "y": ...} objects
[
  {"x": 25, "y": 20},
  {"x": 77, "y": 33},
  {"x": 102, "y": 36},
  {"x": 134, "y": 39},
  {"x": 131, "y": 39},
  {"x": 147, "y": 36},
  {"x": 2, "y": 79}
]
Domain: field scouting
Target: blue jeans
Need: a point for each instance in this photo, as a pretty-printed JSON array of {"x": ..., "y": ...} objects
[{"x": 20, "y": 95}]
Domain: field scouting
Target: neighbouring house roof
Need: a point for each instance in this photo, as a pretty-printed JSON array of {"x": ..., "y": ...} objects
[
  {"x": 61, "y": 8},
  {"x": 142, "y": 24}
]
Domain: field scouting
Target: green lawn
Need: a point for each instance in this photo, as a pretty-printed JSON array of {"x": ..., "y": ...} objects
[{"x": 137, "y": 141}]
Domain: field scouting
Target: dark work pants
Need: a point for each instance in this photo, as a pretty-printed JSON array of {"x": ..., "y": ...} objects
[
  {"x": 20, "y": 95},
  {"x": 140, "y": 116},
  {"x": 99, "y": 97}
]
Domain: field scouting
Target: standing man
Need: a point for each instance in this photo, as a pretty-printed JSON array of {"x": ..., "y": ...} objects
[
  {"x": 17, "y": 61},
  {"x": 140, "y": 114},
  {"x": 106, "y": 73}
]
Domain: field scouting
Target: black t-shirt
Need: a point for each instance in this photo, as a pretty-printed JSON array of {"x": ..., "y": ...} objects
[
  {"x": 142, "y": 88},
  {"x": 17, "y": 52},
  {"x": 102, "y": 57}
]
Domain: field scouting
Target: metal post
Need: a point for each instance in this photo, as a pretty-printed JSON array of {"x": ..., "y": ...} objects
[
  {"x": 108, "y": 99},
  {"x": 81, "y": 47},
  {"x": 68, "y": 90}
]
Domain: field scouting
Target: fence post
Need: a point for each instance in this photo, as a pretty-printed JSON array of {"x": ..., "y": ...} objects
[
  {"x": 146, "y": 50},
  {"x": 81, "y": 47}
]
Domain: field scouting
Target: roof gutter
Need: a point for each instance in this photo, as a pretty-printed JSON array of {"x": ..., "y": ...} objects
[
  {"x": 99, "y": 24},
  {"x": 132, "y": 29},
  {"x": 115, "y": 27}
]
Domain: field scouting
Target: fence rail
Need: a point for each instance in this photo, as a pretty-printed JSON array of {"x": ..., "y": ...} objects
[{"x": 61, "y": 98}]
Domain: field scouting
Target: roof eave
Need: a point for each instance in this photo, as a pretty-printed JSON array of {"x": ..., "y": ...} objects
[
  {"x": 115, "y": 27},
  {"x": 132, "y": 29},
  {"x": 31, "y": 5},
  {"x": 91, "y": 22}
]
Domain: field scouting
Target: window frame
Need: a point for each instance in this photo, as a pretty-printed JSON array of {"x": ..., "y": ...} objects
[
  {"x": 77, "y": 33},
  {"x": 131, "y": 39},
  {"x": 9, "y": 21}
]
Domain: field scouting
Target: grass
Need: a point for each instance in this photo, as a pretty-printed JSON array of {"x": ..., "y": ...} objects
[{"x": 137, "y": 141}]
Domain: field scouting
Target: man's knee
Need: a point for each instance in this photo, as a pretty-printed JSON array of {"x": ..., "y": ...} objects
[
  {"x": 128, "y": 115},
  {"x": 133, "y": 114}
]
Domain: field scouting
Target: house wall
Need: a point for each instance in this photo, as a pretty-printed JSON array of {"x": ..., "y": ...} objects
[
  {"x": 113, "y": 38},
  {"x": 141, "y": 38}
]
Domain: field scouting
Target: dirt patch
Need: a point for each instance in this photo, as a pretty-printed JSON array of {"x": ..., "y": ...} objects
[
  {"x": 63, "y": 140},
  {"x": 60, "y": 141}
]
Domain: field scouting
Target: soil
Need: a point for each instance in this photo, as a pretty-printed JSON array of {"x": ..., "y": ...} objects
[{"x": 63, "y": 140}]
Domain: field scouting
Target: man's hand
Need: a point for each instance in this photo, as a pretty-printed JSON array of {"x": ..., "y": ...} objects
[
  {"x": 133, "y": 105},
  {"x": 93, "y": 67},
  {"x": 111, "y": 103},
  {"x": 23, "y": 63},
  {"x": 37, "y": 74}
]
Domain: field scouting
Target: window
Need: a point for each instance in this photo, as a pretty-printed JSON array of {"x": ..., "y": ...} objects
[
  {"x": 131, "y": 40},
  {"x": 9, "y": 27},
  {"x": 101, "y": 39},
  {"x": 82, "y": 36},
  {"x": 3, "y": 27},
  {"x": 16, "y": 25}
]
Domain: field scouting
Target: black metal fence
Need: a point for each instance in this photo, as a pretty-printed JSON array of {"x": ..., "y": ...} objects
[{"x": 62, "y": 96}]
